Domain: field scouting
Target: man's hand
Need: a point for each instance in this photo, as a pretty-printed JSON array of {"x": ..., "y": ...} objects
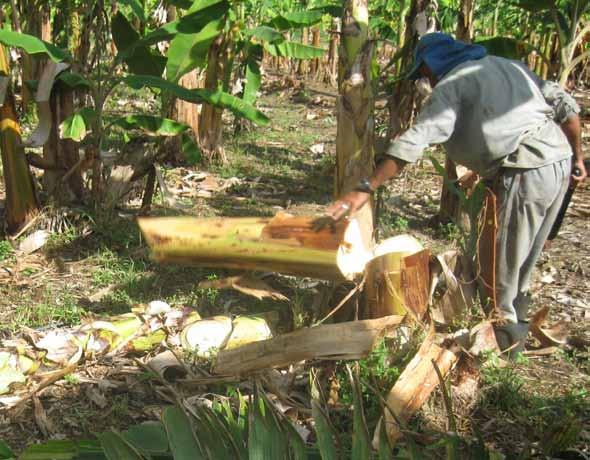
[
  {"x": 347, "y": 205},
  {"x": 578, "y": 167}
]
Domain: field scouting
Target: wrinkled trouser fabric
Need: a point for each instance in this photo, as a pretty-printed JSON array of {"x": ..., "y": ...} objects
[{"x": 529, "y": 201}]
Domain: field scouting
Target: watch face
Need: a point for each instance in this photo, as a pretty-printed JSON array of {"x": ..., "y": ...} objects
[{"x": 364, "y": 186}]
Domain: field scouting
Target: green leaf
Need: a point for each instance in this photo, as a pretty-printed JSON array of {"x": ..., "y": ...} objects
[
  {"x": 139, "y": 59},
  {"x": 452, "y": 186},
  {"x": 361, "y": 443},
  {"x": 64, "y": 450},
  {"x": 191, "y": 23},
  {"x": 236, "y": 425},
  {"x": 184, "y": 4},
  {"x": 213, "y": 434},
  {"x": 253, "y": 76},
  {"x": 76, "y": 126},
  {"x": 265, "y": 33},
  {"x": 235, "y": 105},
  {"x": 534, "y": 5},
  {"x": 296, "y": 19},
  {"x": 74, "y": 80},
  {"x": 506, "y": 47},
  {"x": 33, "y": 45},
  {"x": 116, "y": 448},
  {"x": 266, "y": 438},
  {"x": 124, "y": 35},
  {"x": 183, "y": 443},
  {"x": 216, "y": 98},
  {"x": 191, "y": 150},
  {"x": 385, "y": 450},
  {"x": 152, "y": 125},
  {"x": 189, "y": 51},
  {"x": 5, "y": 452},
  {"x": 327, "y": 437},
  {"x": 149, "y": 437},
  {"x": 294, "y": 50},
  {"x": 136, "y": 7},
  {"x": 333, "y": 9}
]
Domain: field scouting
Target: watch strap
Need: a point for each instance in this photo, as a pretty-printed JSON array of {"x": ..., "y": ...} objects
[{"x": 364, "y": 186}]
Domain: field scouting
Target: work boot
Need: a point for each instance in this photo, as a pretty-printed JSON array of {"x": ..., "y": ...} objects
[{"x": 512, "y": 337}]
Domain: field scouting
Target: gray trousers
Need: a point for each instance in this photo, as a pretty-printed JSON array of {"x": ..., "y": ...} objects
[{"x": 528, "y": 200}]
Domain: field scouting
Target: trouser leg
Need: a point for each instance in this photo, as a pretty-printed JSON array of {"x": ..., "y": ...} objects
[{"x": 529, "y": 202}]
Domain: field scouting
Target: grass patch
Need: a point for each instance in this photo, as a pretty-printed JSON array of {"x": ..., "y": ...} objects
[
  {"x": 551, "y": 415},
  {"x": 6, "y": 251},
  {"x": 55, "y": 310}
]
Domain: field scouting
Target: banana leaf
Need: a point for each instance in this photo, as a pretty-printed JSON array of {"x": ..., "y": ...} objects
[{"x": 33, "y": 45}]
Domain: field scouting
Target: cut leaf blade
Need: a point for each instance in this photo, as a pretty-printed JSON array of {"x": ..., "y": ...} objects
[
  {"x": 116, "y": 448},
  {"x": 183, "y": 443}
]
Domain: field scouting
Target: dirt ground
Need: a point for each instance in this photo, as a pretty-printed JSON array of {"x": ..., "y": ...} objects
[{"x": 92, "y": 268}]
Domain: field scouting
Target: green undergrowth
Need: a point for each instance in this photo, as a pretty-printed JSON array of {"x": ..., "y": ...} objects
[
  {"x": 52, "y": 310},
  {"x": 550, "y": 414}
]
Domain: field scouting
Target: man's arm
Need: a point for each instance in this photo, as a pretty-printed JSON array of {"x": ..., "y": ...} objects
[
  {"x": 566, "y": 110},
  {"x": 572, "y": 129},
  {"x": 434, "y": 125}
]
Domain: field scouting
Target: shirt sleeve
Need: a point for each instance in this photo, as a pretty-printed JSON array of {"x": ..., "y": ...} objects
[
  {"x": 563, "y": 105},
  {"x": 434, "y": 125}
]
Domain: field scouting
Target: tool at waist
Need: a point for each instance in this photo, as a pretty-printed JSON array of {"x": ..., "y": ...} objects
[{"x": 566, "y": 202}]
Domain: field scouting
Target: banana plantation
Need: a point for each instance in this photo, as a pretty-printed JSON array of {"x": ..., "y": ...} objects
[{"x": 175, "y": 282}]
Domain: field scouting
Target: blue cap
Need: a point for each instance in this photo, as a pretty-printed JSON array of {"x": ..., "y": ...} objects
[{"x": 441, "y": 53}]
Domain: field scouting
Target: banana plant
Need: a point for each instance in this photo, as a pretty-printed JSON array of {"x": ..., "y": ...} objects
[
  {"x": 136, "y": 66},
  {"x": 21, "y": 200},
  {"x": 567, "y": 17},
  {"x": 232, "y": 47}
]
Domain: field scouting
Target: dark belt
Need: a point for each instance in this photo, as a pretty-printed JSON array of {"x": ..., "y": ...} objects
[{"x": 492, "y": 182}]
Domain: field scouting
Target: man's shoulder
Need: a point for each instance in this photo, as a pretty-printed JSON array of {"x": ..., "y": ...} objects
[{"x": 485, "y": 68}]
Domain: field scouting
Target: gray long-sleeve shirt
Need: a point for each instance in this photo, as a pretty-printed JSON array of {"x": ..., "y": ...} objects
[{"x": 491, "y": 113}]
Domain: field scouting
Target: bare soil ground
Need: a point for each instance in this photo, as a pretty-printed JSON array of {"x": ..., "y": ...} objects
[{"x": 94, "y": 267}]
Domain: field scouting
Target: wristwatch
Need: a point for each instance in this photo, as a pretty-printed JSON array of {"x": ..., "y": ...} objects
[{"x": 364, "y": 186}]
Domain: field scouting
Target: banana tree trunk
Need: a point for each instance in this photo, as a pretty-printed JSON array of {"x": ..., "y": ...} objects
[
  {"x": 62, "y": 155},
  {"x": 538, "y": 64},
  {"x": 184, "y": 112},
  {"x": 210, "y": 123},
  {"x": 398, "y": 279},
  {"x": 355, "y": 104},
  {"x": 403, "y": 101},
  {"x": 283, "y": 244},
  {"x": 303, "y": 67},
  {"x": 316, "y": 63},
  {"x": 465, "y": 20},
  {"x": 548, "y": 68},
  {"x": 331, "y": 75},
  {"x": 39, "y": 25},
  {"x": 21, "y": 200}
]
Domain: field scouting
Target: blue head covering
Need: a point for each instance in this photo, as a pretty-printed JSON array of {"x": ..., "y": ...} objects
[{"x": 442, "y": 53}]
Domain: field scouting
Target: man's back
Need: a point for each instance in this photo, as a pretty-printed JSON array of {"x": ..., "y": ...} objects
[
  {"x": 488, "y": 113},
  {"x": 502, "y": 117}
]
